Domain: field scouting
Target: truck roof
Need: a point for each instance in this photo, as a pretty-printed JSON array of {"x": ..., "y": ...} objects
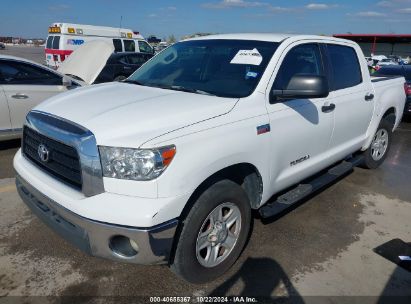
[{"x": 271, "y": 37}]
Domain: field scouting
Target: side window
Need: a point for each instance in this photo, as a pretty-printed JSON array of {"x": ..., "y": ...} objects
[
  {"x": 303, "y": 59},
  {"x": 345, "y": 68},
  {"x": 144, "y": 47},
  {"x": 136, "y": 59},
  {"x": 129, "y": 46},
  {"x": 22, "y": 73},
  {"x": 122, "y": 60},
  {"x": 56, "y": 42},
  {"x": 49, "y": 43},
  {"x": 117, "y": 45}
]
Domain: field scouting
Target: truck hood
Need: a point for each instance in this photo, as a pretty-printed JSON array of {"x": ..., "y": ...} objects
[
  {"x": 122, "y": 114},
  {"x": 87, "y": 61}
]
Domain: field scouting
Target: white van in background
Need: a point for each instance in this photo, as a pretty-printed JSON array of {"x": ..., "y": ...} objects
[{"x": 64, "y": 38}]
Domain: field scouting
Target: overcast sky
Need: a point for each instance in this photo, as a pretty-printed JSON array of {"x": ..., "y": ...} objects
[{"x": 29, "y": 18}]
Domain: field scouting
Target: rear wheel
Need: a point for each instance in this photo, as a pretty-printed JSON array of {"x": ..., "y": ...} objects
[
  {"x": 375, "y": 155},
  {"x": 213, "y": 234}
]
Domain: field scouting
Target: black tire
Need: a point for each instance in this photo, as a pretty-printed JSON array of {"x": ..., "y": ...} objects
[
  {"x": 186, "y": 264},
  {"x": 386, "y": 125}
]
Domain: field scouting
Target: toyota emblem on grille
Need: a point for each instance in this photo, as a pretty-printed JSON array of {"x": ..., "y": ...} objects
[{"x": 43, "y": 153}]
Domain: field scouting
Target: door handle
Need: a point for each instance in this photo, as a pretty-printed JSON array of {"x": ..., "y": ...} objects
[
  {"x": 328, "y": 108},
  {"x": 369, "y": 97},
  {"x": 19, "y": 96}
]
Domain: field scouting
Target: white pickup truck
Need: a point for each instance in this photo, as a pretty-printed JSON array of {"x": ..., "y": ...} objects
[{"x": 166, "y": 167}]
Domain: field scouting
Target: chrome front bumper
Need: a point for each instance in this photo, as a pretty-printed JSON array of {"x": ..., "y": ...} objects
[{"x": 96, "y": 238}]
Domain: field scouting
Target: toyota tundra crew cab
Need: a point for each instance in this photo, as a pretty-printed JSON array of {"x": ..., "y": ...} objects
[{"x": 165, "y": 167}]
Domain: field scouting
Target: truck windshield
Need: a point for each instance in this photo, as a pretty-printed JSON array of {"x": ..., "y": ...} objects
[{"x": 225, "y": 68}]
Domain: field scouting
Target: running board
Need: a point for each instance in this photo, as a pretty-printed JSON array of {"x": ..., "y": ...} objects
[{"x": 301, "y": 191}]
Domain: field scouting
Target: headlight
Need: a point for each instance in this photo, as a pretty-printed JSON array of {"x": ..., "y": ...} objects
[{"x": 135, "y": 164}]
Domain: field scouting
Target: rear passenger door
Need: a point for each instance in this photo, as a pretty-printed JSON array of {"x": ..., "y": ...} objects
[{"x": 353, "y": 99}]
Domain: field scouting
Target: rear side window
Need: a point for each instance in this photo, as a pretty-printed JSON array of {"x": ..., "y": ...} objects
[
  {"x": 129, "y": 46},
  {"x": 345, "y": 67},
  {"x": 56, "y": 42},
  {"x": 49, "y": 43},
  {"x": 13, "y": 72},
  {"x": 144, "y": 47},
  {"x": 303, "y": 59},
  {"x": 117, "y": 45},
  {"x": 408, "y": 74}
]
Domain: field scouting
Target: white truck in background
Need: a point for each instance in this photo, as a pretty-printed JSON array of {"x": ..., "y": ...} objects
[
  {"x": 64, "y": 38},
  {"x": 166, "y": 166}
]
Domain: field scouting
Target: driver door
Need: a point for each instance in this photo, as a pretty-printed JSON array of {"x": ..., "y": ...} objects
[
  {"x": 25, "y": 86},
  {"x": 300, "y": 130}
]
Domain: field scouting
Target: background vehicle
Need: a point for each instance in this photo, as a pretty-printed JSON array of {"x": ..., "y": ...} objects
[
  {"x": 121, "y": 65},
  {"x": 64, "y": 38},
  {"x": 153, "y": 39},
  {"x": 384, "y": 62},
  {"x": 166, "y": 166},
  {"x": 161, "y": 46},
  {"x": 403, "y": 71},
  {"x": 23, "y": 85},
  {"x": 2, "y": 46}
]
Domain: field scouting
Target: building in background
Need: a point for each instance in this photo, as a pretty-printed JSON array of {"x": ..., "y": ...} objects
[
  {"x": 6, "y": 39},
  {"x": 381, "y": 44}
]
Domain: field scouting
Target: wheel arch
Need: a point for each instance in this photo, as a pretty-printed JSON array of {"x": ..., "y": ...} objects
[
  {"x": 391, "y": 115},
  {"x": 245, "y": 175}
]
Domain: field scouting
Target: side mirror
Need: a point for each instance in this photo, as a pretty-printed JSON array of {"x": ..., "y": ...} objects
[
  {"x": 303, "y": 87},
  {"x": 67, "y": 82}
]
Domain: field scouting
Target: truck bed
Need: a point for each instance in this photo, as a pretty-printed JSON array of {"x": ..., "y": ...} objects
[{"x": 384, "y": 78}]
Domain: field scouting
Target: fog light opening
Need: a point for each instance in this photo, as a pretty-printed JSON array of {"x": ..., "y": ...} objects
[{"x": 123, "y": 246}]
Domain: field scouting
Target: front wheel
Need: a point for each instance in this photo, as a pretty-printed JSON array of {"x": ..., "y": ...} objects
[
  {"x": 375, "y": 155},
  {"x": 213, "y": 234}
]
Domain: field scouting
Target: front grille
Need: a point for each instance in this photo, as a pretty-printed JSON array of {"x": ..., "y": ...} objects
[{"x": 63, "y": 161}]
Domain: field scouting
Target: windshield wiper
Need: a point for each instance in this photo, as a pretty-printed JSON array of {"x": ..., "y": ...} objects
[
  {"x": 133, "y": 82},
  {"x": 168, "y": 87},
  {"x": 190, "y": 90}
]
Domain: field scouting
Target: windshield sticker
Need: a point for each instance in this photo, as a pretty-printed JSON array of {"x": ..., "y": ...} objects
[
  {"x": 251, "y": 75},
  {"x": 247, "y": 57}
]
